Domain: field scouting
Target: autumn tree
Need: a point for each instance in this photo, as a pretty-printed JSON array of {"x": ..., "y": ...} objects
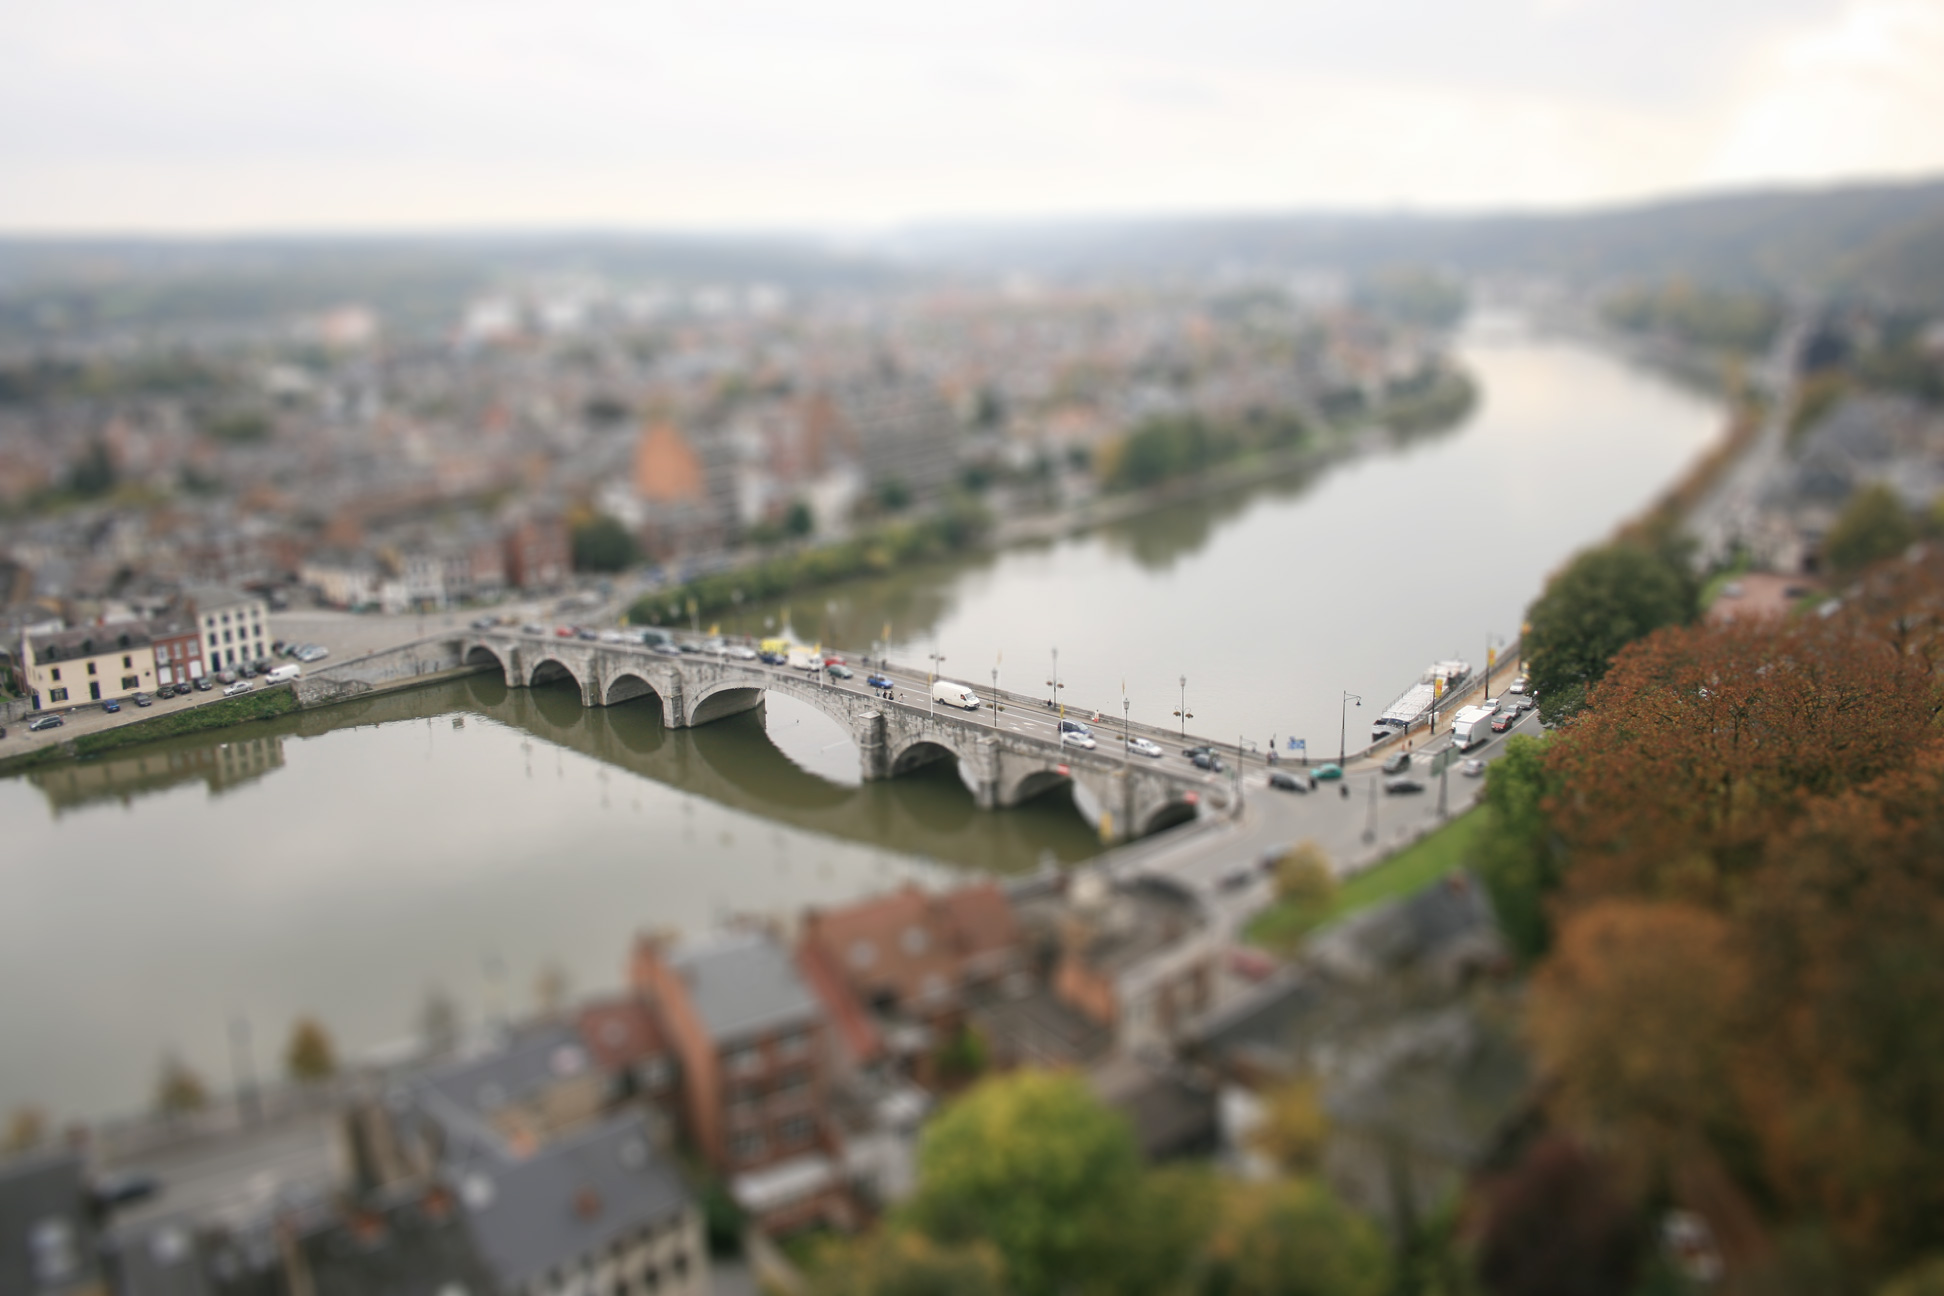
[
  {"x": 1291, "y": 1237},
  {"x": 1873, "y": 525},
  {"x": 1558, "y": 1224},
  {"x": 1605, "y": 599},
  {"x": 1520, "y": 857},
  {"x": 901, "y": 1263},
  {"x": 1305, "y": 879},
  {"x": 1294, "y": 1127},
  {"x": 1038, "y": 1167},
  {"x": 179, "y": 1090},
  {"x": 309, "y": 1056}
]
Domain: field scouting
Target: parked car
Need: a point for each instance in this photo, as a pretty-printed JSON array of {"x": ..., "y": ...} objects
[
  {"x": 689, "y": 648},
  {"x": 39, "y": 723},
  {"x": 1330, "y": 771},
  {"x": 611, "y": 637},
  {"x": 1472, "y": 768},
  {"x": 1288, "y": 782},
  {"x": 226, "y": 677},
  {"x": 1489, "y": 706},
  {"x": 1504, "y": 720},
  {"x": 141, "y": 699},
  {"x": 1192, "y": 752},
  {"x": 1518, "y": 685},
  {"x": 313, "y": 653},
  {"x": 1144, "y": 747},
  {"x": 587, "y": 635},
  {"x": 240, "y": 687},
  {"x": 743, "y": 652},
  {"x": 1402, "y": 786},
  {"x": 164, "y": 693},
  {"x": 533, "y": 627},
  {"x": 838, "y": 670},
  {"x": 245, "y": 671},
  {"x": 484, "y": 623},
  {"x": 1397, "y": 763},
  {"x": 563, "y": 632},
  {"x": 666, "y": 649},
  {"x": 202, "y": 684},
  {"x": 1069, "y": 738},
  {"x": 879, "y": 681},
  {"x": 111, "y": 706},
  {"x": 1208, "y": 760},
  {"x": 277, "y": 647}
]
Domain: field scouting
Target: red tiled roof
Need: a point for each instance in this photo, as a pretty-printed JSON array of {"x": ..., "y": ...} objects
[{"x": 860, "y": 1037}]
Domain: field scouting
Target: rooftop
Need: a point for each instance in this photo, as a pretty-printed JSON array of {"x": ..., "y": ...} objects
[
  {"x": 744, "y": 984},
  {"x": 87, "y": 641}
]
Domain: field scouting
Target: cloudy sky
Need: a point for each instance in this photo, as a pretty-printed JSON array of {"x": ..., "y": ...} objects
[{"x": 133, "y": 115}]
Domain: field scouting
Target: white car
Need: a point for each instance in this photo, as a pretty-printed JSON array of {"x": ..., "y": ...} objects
[
  {"x": 241, "y": 686},
  {"x": 1489, "y": 706},
  {"x": 1518, "y": 685},
  {"x": 613, "y": 636},
  {"x": 1071, "y": 739},
  {"x": 1143, "y": 747},
  {"x": 1472, "y": 768},
  {"x": 743, "y": 652}
]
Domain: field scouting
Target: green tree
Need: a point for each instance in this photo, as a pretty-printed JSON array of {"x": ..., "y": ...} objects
[
  {"x": 1304, "y": 878},
  {"x": 1604, "y": 600},
  {"x": 309, "y": 1056},
  {"x": 179, "y": 1090},
  {"x": 1294, "y": 1127},
  {"x": 93, "y": 474},
  {"x": 1520, "y": 857},
  {"x": 1036, "y": 1165},
  {"x": 602, "y": 544},
  {"x": 239, "y": 427},
  {"x": 893, "y": 496},
  {"x": 799, "y": 521},
  {"x": 1874, "y": 525},
  {"x": 1291, "y": 1237},
  {"x": 893, "y": 1263}
]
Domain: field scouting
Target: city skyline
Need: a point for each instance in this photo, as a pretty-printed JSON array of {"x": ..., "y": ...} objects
[{"x": 202, "y": 120}]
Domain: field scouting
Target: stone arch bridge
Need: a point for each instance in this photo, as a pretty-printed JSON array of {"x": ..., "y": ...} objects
[{"x": 1002, "y": 768}]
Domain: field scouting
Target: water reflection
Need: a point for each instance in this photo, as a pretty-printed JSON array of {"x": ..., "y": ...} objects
[{"x": 218, "y": 766}]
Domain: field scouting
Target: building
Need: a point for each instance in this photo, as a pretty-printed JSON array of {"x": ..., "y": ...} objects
[
  {"x": 88, "y": 664},
  {"x": 178, "y": 644},
  {"x": 47, "y": 1231},
  {"x": 915, "y": 954},
  {"x": 539, "y": 554},
  {"x": 753, "y": 1048},
  {"x": 1138, "y": 958},
  {"x": 235, "y": 625}
]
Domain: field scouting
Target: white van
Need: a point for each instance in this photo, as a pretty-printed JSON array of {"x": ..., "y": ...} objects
[
  {"x": 282, "y": 674},
  {"x": 955, "y": 695}
]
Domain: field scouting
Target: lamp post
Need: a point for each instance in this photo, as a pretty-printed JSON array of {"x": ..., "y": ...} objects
[
  {"x": 1185, "y": 714},
  {"x": 1127, "y": 727},
  {"x": 1053, "y": 685},
  {"x": 243, "y": 1065},
  {"x": 995, "y": 697},
  {"x": 1343, "y": 728},
  {"x": 936, "y": 658}
]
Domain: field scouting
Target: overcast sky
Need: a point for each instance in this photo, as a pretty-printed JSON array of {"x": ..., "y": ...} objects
[{"x": 135, "y": 115}]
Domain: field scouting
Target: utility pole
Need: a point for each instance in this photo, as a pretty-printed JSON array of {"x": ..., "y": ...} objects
[{"x": 249, "y": 1108}]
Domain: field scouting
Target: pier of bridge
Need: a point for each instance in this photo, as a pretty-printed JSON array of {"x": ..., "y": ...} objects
[{"x": 1120, "y": 799}]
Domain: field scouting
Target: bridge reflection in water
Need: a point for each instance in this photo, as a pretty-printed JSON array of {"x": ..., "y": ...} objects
[{"x": 732, "y": 762}]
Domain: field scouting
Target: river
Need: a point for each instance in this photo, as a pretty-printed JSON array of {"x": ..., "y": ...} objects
[{"x": 343, "y": 862}]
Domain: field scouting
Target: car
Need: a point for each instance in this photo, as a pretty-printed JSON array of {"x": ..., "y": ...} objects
[
  {"x": 533, "y": 627},
  {"x": 226, "y": 677},
  {"x": 1472, "y": 768},
  {"x": 240, "y": 687},
  {"x": 879, "y": 681},
  {"x": 1397, "y": 762},
  {"x": 202, "y": 684},
  {"x": 833, "y": 661},
  {"x": 141, "y": 699},
  {"x": 838, "y": 670},
  {"x": 1208, "y": 760},
  {"x": 742, "y": 652},
  {"x": 1073, "y": 738},
  {"x": 1192, "y": 752},
  {"x": 1504, "y": 720},
  {"x": 39, "y": 723},
  {"x": 277, "y": 647},
  {"x": 264, "y": 665},
  {"x": 1489, "y": 706},
  {"x": 1329, "y": 771},
  {"x": 587, "y": 635},
  {"x": 1519, "y": 685},
  {"x": 563, "y": 632},
  {"x": 314, "y": 653},
  {"x": 484, "y": 622},
  {"x": 612, "y": 637},
  {"x": 1518, "y": 705},
  {"x": 1144, "y": 747},
  {"x": 1284, "y": 781},
  {"x": 165, "y": 692},
  {"x": 773, "y": 658},
  {"x": 1074, "y": 726},
  {"x": 111, "y": 706},
  {"x": 245, "y": 671},
  {"x": 124, "y": 1188},
  {"x": 690, "y": 648},
  {"x": 666, "y": 648},
  {"x": 1402, "y": 786}
]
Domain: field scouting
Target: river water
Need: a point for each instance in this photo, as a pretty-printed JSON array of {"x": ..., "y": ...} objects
[{"x": 345, "y": 862}]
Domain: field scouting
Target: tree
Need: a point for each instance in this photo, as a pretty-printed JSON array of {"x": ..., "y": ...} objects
[
  {"x": 1034, "y": 1164},
  {"x": 1305, "y": 879},
  {"x": 309, "y": 1056},
  {"x": 1520, "y": 858},
  {"x": 893, "y": 496},
  {"x": 1290, "y": 1237},
  {"x": 1873, "y": 525},
  {"x": 93, "y": 474},
  {"x": 892, "y": 1263},
  {"x": 799, "y": 521},
  {"x": 179, "y": 1090},
  {"x": 1604, "y": 600},
  {"x": 1555, "y": 1225},
  {"x": 602, "y": 544},
  {"x": 1294, "y": 1127},
  {"x": 26, "y": 1130}
]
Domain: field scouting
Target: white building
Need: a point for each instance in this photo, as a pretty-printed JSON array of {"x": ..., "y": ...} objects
[{"x": 235, "y": 625}]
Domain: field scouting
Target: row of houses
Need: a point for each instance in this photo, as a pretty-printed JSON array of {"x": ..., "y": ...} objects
[
  {"x": 431, "y": 568},
  {"x": 204, "y": 630}
]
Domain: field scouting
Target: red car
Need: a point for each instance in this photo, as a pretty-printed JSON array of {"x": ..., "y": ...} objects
[
  {"x": 564, "y": 632},
  {"x": 1503, "y": 720}
]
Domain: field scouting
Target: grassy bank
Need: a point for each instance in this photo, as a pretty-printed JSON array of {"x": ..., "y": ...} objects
[
  {"x": 260, "y": 704},
  {"x": 1282, "y": 926}
]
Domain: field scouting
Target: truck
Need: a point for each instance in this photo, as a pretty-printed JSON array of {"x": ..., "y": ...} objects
[
  {"x": 1472, "y": 726},
  {"x": 954, "y": 695},
  {"x": 281, "y": 674}
]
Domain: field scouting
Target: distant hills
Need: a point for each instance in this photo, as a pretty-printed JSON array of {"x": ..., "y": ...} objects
[{"x": 1883, "y": 243}]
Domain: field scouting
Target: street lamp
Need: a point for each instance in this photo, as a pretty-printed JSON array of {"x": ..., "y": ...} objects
[
  {"x": 1343, "y": 727},
  {"x": 1053, "y": 697},
  {"x": 1127, "y": 726},
  {"x": 995, "y": 697},
  {"x": 936, "y": 658},
  {"x": 1185, "y": 714}
]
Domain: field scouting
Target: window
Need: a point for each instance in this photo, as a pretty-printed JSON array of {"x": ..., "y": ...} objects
[
  {"x": 227, "y": 638},
  {"x": 745, "y": 1061},
  {"x": 746, "y": 1146},
  {"x": 57, "y": 695},
  {"x": 91, "y": 668},
  {"x": 128, "y": 663},
  {"x": 57, "y": 672},
  {"x": 794, "y": 1046},
  {"x": 130, "y": 682},
  {"x": 797, "y": 1129}
]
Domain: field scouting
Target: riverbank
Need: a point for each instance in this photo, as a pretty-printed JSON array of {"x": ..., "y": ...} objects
[{"x": 261, "y": 704}]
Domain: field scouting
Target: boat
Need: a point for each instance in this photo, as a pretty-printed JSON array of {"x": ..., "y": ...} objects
[{"x": 1414, "y": 702}]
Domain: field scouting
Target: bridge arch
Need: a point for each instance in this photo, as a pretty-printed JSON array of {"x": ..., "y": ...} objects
[
  {"x": 723, "y": 698},
  {"x": 551, "y": 670},
  {"x": 917, "y": 754},
  {"x": 1036, "y": 783},
  {"x": 480, "y": 655},
  {"x": 630, "y": 685},
  {"x": 1170, "y": 813}
]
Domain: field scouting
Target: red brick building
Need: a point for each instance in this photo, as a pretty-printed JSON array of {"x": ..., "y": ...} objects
[
  {"x": 915, "y": 954},
  {"x": 178, "y": 651},
  {"x": 539, "y": 554}
]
